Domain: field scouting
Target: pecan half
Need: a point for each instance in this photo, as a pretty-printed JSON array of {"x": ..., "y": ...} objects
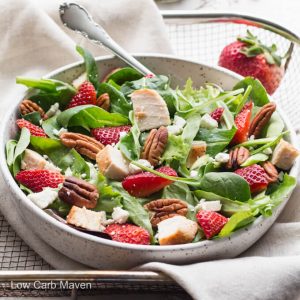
[
  {"x": 103, "y": 101},
  {"x": 272, "y": 173},
  {"x": 84, "y": 144},
  {"x": 78, "y": 192},
  {"x": 163, "y": 209},
  {"x": 155, "y": 145},
  {"x": 27, "y": 106},
  {"x": 261, "y": 119},
  {"x": 237, "y": 157}
]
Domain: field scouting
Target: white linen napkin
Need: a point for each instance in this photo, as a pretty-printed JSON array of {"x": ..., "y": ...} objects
[{"x": 34, "y": 43}]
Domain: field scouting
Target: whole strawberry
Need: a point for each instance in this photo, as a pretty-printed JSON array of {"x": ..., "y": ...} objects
[
  {"x": 86, "y": 95},
  {"x": 109, "y": 135},
  {"x": 36, "y": 180},
  {"x": 144, "y": 184},
  {"x": 217, "y": 114},
  {"x": 128, "y": 233},
  {"x": 249, "y": 57},
  {"x": 256, "y": 176},
  {"x": 34, "y": 130},
  {"x": 211, "y": 222}
]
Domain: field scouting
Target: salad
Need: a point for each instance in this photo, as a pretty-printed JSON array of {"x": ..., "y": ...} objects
[{"x": 129, "y": 158}]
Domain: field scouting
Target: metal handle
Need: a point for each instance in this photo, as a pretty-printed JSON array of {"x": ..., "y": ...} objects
[{"x": 78, "y": 19}]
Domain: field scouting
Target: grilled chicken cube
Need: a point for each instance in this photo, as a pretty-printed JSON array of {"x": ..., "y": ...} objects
[
  {"x": 198, "y": 149},
  {"x": 33, "y": 160},
  {"x": 112, "y": 163},
  {"x": 150, "y": 109},
  {"x": 284, "y": 155}
]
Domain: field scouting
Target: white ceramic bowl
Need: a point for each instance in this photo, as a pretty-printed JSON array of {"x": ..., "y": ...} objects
[{"x": 105, "y": 254}]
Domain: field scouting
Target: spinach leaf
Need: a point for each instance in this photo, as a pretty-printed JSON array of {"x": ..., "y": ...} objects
[
  {"x": 90, "y": 116},
  {"x": 125, "y": 74},
  {"x": 236, "y": 221},
  {"x": 129, "y": 145},
  {"x": 10, "y": 151},
  {"x": 60, "y": 155},
  {"x": 61, "y": 207},
  {"x": 275, "y": 126},
  {"x": 216, "y": 139},
  {"x": 33, "y": 117},
  {"x": 23, "y": 142},
  {"x": 50, "y": 125},
  {"x": 229, "y": 207},
  {"x": 137, "y": 213},
  {"x": 225, "y": 184},
  {"x": 253, "y": 159},
  {"x": 90, "y": 66},
  {"x": 179, "y": 190},
  {"x": 258, "y": 93},
  {"x": 118, "y": 102},
  {"x": 46, "y": 92}
]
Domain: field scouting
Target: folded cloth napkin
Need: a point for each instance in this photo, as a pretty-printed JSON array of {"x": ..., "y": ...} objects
[{"x": 34, "y": 43}]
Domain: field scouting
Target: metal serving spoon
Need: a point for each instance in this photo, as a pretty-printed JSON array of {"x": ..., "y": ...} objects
[{"x": 78, "y": 19}]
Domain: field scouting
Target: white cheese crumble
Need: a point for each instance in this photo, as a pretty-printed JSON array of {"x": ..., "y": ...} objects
[
  {"x": 122, "y": 134},
  {"x": 193, "y": 173},
  {"x": 120, "y": 215},
  {"x": 53, "y": 110},
  {"x": 59, "y": 132},
  {"x": 222, "y": 157},
  {"x": 133, "y": 169},
  {"x": 68, "y": 172},
  {"x": 208, "y": 122},
  {"x": 44, "y": 198},
  {"x": 178, "y": 121},
  {"x": 208, "y": 205},
  {"x": 174, "y": 129}
]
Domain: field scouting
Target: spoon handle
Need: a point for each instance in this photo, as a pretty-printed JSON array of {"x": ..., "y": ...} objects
[{"x": 76, "y": 17}]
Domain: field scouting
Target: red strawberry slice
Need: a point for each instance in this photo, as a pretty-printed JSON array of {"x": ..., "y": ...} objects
[
  {"x": 86, "y": 95},
  {"x": 242, "y": 122},
  {"x": 36, "y": 180},
  {"x": 256, "y": 176},
  {"x": 109, "y": 135},
  {"x": 34, "y": 130},
  {"x": 217, "y": 113},
  {"x": 128, "y": 233},
  {"x": 211, "y": 222},
  {"x": 144, "y": 184}
]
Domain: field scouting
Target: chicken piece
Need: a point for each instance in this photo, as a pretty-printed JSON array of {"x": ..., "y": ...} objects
[
  {"x": 150, "y": 109},
  {"x": 85, "y": 218},
  {"x": 284, "y": 155},
  {"x": 198, "y": 149},
  {"x": 112, "y": 163},
  {"x": 176, "y": 230},
  {"x": 33, "y": 161}
]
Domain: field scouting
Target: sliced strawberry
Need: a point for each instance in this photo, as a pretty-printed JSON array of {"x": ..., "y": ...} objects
[
  {"x": 242, "y": 122},
  {"x": 128, "y": 233},
  {"x": 217, "y": 113},
  {"x": 256, "y": 176},
  {"x": 34, "y": 130},
  {"x": 109, "y": 135},
  {"x": 86, "y": 95},
  {"x": 144, "y": 184},
  {"x": 211, "y": 222},
  {"x": 36, "y": 180}
]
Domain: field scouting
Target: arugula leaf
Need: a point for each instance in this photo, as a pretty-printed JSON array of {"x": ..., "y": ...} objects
[
  {"x": 89, "y": 116},
  {"x": 60, "y": 155},
  {"x": 253, "y": 159},
  {"x": 258, "y": 93},
  {"x": 129, "y": 145},
  {"x": 90, "y": 66},
  {"x": 236, "y": 221},
  {"x": 118, "y": 102},
  {"x": 179, "y": 190},
  {"x": 216, "y": 139},
  {"x": 123, "y": 75},
  {"x": 229, "y": 207},
  {"x": 226, "y": 184},
  {"x": 46, "y": 92}
]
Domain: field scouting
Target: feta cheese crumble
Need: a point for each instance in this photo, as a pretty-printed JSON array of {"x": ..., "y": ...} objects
[
  {"x": 222, "y": 157},
  {"x": 133, "y": 169},
  {"x": 120, "y": 215},
  {"x": 44, "y": 198},
  {"x": 208, "y": 122}
]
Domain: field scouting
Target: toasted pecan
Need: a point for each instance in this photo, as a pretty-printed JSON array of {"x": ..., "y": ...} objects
[
  {"x": 155, "y": 145},
  {"x": 103, "y": 101},
  {"x": 27, "y": 106},
  {"x": 163, "y": 209},
  {"x": 237, "y": 157},
  {"x": 272, "y": 173},
  {"x": 261, "y": 119},
  {"x": 84, "y": 144},
  {"x": 78, "y": 192}
]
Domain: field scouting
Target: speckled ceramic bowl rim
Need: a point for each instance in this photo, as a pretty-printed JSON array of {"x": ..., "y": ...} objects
[{"x": 47, "y": 218}]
